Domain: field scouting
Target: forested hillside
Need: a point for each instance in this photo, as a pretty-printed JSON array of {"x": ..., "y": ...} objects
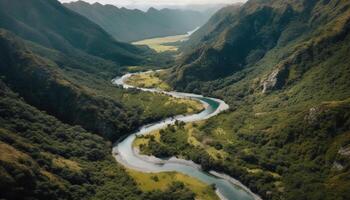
[
  {"x": 133, "y": 25},
  {"x": 43, "y": 158},
  {"x": 49, "y": 23},
  {"x": 283, "y": 67},
  {"x": 76, "y": 94},
  {"x": 60, "y": 113}
]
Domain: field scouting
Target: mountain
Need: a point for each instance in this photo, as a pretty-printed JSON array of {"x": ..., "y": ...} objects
[
  {"x": 133, "y": 25},
  {"x": 282, "y": 66},
  {"x": 242, "y": 38},
  {"x": 43, "y": 158},
  {"x": 223, "y": 16},
  {"x": 60, "y": 113},
  {"x": 49, "y": 23}
]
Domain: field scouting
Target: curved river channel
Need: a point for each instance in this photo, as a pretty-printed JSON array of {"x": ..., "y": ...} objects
[{"x": 227, "y": 187}]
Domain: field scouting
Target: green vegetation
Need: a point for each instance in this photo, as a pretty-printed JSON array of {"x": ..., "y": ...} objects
[
  {"x": 54, "y": 26},
  {"x": 267, "y": 158},
  {"x": 282, "y": 66},
  {"x": 163, "y": 44},
  {"x": 134, "y": 69},
  {"x": 149, "y": 80},
  {"x": 77, "y": 89},
  {"x": 42, "y": 158},
  {"x": 165, "y": 181},
  {"x": 221, "y": 48},
  {"x": 174, "y": 141},
  {"x": 130, "y": 25},
  {"x": 56, "y": 101}
]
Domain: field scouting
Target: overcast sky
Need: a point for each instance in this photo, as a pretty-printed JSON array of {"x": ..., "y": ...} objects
[{"x": 158, "y": 3}]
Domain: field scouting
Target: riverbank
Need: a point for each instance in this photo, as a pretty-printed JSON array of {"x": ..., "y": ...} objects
[
  {"x": 175, "y": 160},
  {"x": 235, "y": 182},
  {"x": 227, "y": 187}
]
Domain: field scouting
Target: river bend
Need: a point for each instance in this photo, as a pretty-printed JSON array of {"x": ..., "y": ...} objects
[{"x": 227, "y": 187}]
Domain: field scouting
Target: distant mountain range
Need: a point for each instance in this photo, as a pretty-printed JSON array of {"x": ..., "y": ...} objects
[
  {"x": 133, "y": 25},
  {"x": 49, "y": 23}
]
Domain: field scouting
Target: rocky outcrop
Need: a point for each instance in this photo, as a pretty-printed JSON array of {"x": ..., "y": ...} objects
[
  {"x": 337, "y": 166},
  {"x": 270, "y": 82},
  {"x": 275, "y": 80},
  {"x": 344, "y": 151},
  {"x": 312, "y": 116}
]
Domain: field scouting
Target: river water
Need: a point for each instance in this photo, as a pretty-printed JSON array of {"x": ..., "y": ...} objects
[{"x": 227, "y": 187}]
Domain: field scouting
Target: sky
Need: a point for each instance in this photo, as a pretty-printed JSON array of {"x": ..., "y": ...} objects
[{"x": 158, "y": 3}]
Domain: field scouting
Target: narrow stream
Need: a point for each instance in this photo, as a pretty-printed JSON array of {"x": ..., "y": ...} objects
[{"x": 227, "y": 187}]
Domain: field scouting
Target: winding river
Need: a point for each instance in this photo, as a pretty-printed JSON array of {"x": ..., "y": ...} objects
[{"x": 227, "y": 187}]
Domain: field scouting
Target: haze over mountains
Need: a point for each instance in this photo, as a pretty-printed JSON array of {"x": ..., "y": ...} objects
[
  {"x": 54, "y": 26},
  {"x": 199, "y": 5},
  {"x": 133, "y": 25}
]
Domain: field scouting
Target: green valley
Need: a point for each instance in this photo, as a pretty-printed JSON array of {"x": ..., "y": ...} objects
[
  {"x": 255, "y": 104},
  {"x": 60, "y": 112},
  {"x": 283, "y": 68}
]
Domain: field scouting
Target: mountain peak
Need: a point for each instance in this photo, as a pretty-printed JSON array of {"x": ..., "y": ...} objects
[{"x": 152, "y": 9}]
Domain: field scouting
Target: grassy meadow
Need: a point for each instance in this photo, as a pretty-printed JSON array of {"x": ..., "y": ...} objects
[
  {"x": 163, "y": 44},
  {"x": 162, "y": 181},
  {"x": 149, "y": 80}
]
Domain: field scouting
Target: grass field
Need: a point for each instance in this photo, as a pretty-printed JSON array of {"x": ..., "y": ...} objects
[
  {"x": 149, "y": 80},
  {"x": 153, "y": 80},
  {"x": 163, "y": 44},
  {"x": 191, "y": 134},
  {"x": 161, "y": 181}
]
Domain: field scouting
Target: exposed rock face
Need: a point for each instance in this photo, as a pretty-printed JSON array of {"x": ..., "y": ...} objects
[
  {"x": 270, "y": 82},
  {"x": 312, "y": 116},
  {"x": 275, "y": 80},
  {"x": 344, "y": 151},
  {"x": 337, "y": 166}
]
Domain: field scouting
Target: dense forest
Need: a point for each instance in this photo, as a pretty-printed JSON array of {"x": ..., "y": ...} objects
[
  {"x": 43, "y": 158},
  {"x": 60, "y": 112},
  {"x": 283, "y": 67}
]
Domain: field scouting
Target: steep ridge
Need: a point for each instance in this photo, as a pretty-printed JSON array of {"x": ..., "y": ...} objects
[
  {"x": 76, "y": 89},
  {"x": 50, "y": 24},
  {"x": 43, "y": 158},
  {"x": 133, "y": 25},
  {"x": 242, "y": 39},
  {"x": 59, "y": 112},
  {"x": 206, "y": 32},
  {"x": 283, "y": 68}
]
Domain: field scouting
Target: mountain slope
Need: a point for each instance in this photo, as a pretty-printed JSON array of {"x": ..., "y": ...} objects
[
  {"x": 77, "y": 89},
  {"x": 43, "y": 158},
  {"x": 206, "y": 32},
  {"x": 282, "y": 66},
  {"x": 52, "y": 25},
  {"x": 59, "y": 114},
  {"x": 244, "y": 38},
  {"x": 133, "y": 25}
]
